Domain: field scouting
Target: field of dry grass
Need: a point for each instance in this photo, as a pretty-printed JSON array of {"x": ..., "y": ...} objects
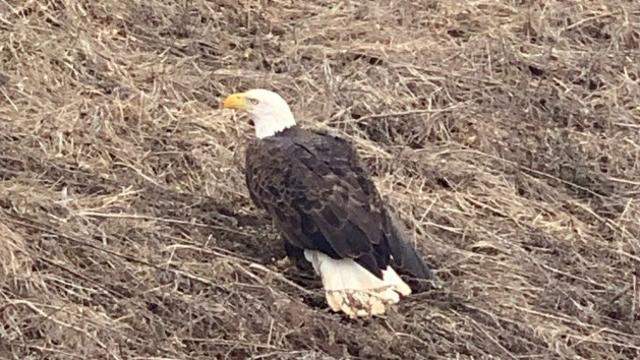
[{"x": 505, "y": 133}]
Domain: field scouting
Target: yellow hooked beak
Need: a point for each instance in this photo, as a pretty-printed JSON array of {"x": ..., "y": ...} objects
[{"x": 235, "y": 101}]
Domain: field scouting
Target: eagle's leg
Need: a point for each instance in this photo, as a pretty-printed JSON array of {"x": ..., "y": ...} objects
[
  {"x": 293, "y": 255},
  {"x": 296, "y": 256}
]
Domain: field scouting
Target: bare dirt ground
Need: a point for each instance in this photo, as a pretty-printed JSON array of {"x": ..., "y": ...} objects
[{"x": 505, "y": 133}]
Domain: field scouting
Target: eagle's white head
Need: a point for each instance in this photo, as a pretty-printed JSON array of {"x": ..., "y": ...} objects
[{"x": 268, "y": 110}]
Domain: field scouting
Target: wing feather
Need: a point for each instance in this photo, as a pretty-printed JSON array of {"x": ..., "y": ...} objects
[{"x": 320, "y": 196}]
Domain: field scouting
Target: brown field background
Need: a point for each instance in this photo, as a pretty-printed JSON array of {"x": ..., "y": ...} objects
[{"x": 505, "y": 133}]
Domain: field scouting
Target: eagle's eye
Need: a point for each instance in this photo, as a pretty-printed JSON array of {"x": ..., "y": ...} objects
[{"x": 253, "y": 101}]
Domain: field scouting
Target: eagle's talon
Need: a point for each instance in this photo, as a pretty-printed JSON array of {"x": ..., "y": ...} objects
[{"x": 283, "y": 263}]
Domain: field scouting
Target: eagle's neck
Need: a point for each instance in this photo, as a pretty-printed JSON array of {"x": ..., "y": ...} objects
[{"x": 270, "y": 125}]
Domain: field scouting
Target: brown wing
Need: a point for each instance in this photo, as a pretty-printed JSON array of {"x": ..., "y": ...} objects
[{"x": 320, "y": 196}]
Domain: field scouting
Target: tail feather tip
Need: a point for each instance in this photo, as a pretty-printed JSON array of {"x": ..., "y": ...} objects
[{"x": 352, "y": 289}]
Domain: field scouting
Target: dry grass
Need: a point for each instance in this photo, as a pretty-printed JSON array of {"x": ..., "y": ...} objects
[{"x": 506, "y": 133}]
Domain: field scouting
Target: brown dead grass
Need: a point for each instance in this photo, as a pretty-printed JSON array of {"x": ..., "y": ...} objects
[{"x": 507, "y": 134}]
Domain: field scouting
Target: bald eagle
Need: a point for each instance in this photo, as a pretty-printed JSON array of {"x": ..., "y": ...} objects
[{"x": 327, "y": 209}]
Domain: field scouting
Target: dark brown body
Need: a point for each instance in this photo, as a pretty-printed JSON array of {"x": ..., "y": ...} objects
[{"x": 321, "y": 198}]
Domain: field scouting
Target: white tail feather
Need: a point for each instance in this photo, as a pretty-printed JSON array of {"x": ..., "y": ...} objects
[{"x": 351, "y": 288}]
